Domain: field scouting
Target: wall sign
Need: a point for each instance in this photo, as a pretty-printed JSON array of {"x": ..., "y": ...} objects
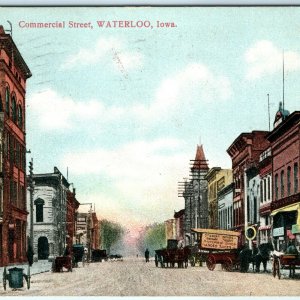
[{"x": 278, "y": 231}]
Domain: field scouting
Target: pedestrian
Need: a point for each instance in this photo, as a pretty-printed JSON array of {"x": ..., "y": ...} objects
[
  {"x": 291, "y": 249},
  {"x": 67, "y": 251},
  {"x": 147, "y": 255},
  {"x": 30, "y": 254}
]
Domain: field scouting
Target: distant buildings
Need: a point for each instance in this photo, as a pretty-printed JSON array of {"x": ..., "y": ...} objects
[{"x": 13, "y": 213}]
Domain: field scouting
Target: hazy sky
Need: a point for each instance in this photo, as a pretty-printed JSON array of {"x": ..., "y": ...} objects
[{"x": 124, "y": 108}]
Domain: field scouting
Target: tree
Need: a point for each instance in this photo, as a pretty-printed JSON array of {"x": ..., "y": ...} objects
[
  {"x": 111, "y": 233},
  {"x": 152, "y": 237}
]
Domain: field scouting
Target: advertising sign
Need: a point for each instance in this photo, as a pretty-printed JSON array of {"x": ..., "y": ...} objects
[
  {"x": 278, "y": 231},
  {"x": 219, "y": 241}
]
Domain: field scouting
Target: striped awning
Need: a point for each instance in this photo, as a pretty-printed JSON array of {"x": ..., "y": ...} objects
[{"x": 267, "y": 227}]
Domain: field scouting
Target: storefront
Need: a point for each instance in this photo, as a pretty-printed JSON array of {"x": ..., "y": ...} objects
[{"x": 286, "y": 226}]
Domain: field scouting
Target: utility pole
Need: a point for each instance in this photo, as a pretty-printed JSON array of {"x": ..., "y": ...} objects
[{"x": 31, "y": 188}]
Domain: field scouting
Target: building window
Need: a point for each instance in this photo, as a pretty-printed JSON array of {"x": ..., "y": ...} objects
[
  {"x": 295, "y": 178},
  {"x": 39, "y": 205},
  {"x": 20, "y": 117},
  {"x": 276, "y": 186},
  {"x": 265, "y": 189},
  {"x": 261, "y": 191},
  {"x": 288, "y": 181},
  {"x": 269, "y": 188},
  {"x": 7, "y": 96},
  {"x": 282, "y": 184},
  {"x": 14, "y": 109}
]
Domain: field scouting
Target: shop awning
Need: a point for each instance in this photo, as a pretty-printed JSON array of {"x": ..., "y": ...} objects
[
  {"x": 267, "y": 227},
  {"x": 291, "y": 207}
]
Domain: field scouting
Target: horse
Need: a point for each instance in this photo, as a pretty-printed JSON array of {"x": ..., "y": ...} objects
[{"x": 262, "y": 255}]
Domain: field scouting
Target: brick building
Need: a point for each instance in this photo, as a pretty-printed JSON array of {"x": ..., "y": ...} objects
[
  {"x": 179, "y": 219},
  {"x": 72, "y": 207},
  {"x": 13, "y": 213},
  {"x": 245, "y": 152},
  {"x": 95, "y": 232},
  {"x": 285, "y": 206}
]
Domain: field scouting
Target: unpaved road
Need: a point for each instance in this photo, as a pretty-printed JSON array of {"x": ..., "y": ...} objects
[{"x": 133, "y": 277}]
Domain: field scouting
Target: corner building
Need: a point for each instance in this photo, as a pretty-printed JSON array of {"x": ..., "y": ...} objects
[
  {"x": 13, "y": 213},
  {"x": 285, "y": 206}
]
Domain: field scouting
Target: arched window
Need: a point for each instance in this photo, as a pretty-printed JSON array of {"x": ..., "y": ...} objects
[
  {"x": 289, "y": 180},
  {"x": 276, "y": 186},
  {"x": 39, "y": 204},
  {"x": 282, "y": 183},
  {"x": 7, "y": 96},
  {"x": 14, "y": 109},
  {"x": 296, "y": 178},
  {"x": 20, "y": 116}
]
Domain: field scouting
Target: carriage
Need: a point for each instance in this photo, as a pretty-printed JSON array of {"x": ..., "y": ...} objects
[
  {"x": 281, "y": 261},
  {"x": 99, "y": 255},
  {"x": 172, "y": 255},
  {"x": 61, "y": 262},
  {"x": 223, "y": 247},
  {"x": 78, "y": 253}
]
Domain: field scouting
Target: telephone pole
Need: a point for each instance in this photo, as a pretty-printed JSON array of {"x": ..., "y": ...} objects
[{"x": 31, "y": 188}]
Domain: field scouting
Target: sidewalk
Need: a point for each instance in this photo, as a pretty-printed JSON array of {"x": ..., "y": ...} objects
[{"x": 37, "y": 267}]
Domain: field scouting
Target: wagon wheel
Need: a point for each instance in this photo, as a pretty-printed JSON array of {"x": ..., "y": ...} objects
[
  {"x": 4, "y": 278},
  {"x": 28, "y": 278},
  {"x": 276, "y": 267},
  {"x": 228, "y": 264},
  {"x": 211, "y": 263}
]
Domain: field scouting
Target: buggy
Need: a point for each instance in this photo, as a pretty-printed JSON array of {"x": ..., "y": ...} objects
[
  {"x": 78, "y": 252},
  {"x": 285, "y": 261}
]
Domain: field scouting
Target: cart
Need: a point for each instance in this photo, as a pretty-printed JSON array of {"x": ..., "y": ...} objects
[
  {"x": 78, "y": 252},
  {"x": 222, "y": 246},
  {"x": 172, "y": 255},
  {"x": 61, "y": 262},
  {"x": 99, "y": 255},
  {"x": 289, "y": 262},
  {"x": 15, "y": 277}
]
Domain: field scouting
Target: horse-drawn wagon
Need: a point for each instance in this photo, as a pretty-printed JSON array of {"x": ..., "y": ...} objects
[
  {"x": 172, "y": 255},
  {"x": 223, "y": 247},
  {"x": 99, "y": 255},
  {"x": 282, "y": 261}
]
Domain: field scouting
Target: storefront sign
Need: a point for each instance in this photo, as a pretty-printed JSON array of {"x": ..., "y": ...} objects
[
  {"x": 295, "y": 228},
  {"x": 219, "y": 241},
  {"x": 278, "y": 231}
]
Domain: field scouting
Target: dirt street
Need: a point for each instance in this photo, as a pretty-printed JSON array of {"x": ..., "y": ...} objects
[{"x": 133, "y": 277}]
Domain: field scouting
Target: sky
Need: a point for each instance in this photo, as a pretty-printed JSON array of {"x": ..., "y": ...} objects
[{"x": 123, "y": 109}]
